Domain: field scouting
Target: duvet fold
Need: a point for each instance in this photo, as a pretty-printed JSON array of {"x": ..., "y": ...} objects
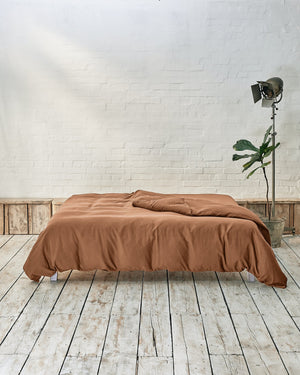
[
  {"x": 200, "y": 207},
  {"x": 150, "y": 231}
]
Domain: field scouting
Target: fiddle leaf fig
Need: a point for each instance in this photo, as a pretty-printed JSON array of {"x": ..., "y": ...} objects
[
  {"x": 261, "y": 152},
  {"x": 261, "y": 166},
  {"x": 268, "y": 132},
  {"x": 238, "y": 157},
  {"x": 243, "y": 144},
  {"x": 253, "y": 160}
]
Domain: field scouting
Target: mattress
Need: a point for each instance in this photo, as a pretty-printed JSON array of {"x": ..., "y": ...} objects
[{"x": 151, "y": 231}]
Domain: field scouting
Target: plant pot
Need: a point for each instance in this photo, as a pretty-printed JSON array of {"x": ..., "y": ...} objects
[{"x": 275, "y": 227}]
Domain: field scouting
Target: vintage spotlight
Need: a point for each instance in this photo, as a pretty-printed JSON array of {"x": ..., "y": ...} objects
[{"x": 270, "y": 92}]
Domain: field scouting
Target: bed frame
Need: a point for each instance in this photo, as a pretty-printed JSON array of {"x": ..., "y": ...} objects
[
  {"x": 250, "y": 277},
  {"x": 54, "y": 277}
]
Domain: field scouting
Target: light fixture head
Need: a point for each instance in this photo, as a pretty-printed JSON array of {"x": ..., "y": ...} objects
[{"x": 268, "y": 90}]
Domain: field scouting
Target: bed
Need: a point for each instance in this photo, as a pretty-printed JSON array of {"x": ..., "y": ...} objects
[{"x": 151, "y": 231}]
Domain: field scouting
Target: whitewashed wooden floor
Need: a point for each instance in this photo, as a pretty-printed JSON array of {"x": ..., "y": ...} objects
[{"x": 147, "y": 323}]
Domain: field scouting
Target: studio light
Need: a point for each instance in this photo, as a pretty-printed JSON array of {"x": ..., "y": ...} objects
[{"x": 270, "y": 91}]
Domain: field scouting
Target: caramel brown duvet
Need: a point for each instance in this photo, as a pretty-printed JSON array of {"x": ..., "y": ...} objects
[{"x": 151, "y": 231}]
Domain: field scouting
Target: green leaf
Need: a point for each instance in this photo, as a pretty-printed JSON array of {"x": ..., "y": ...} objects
[
  {"x": 269, "y": 150},
  {"x": 261, "y": 166},
  {"x": 267, "y": 133},
  {"x": 265, "y": 145},
  {"x": 253, "y": 160},
  {"x": 262, "y": 150},
  {"x": 238, "y": 157},
  {"x": 243, "y": 144}
]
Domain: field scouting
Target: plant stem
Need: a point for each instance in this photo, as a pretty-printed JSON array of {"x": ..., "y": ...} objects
[{"x": 267, "y": 195}]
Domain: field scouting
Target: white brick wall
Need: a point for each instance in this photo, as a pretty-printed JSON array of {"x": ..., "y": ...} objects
[{"x": 100, "y": 96}]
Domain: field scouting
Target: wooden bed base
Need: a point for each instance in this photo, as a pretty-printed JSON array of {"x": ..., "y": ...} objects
[{"x": 250, "y": 277}]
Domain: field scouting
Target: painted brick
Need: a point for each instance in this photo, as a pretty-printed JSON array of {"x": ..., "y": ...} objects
[{"x": 118, "y": 96}]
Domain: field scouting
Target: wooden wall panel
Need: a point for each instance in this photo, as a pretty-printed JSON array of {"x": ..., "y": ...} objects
[
  {"x": 55, "y": 208},
  {"x": 39, "y": 215},
  {"x": 297, "y": 217},
  {"x": 258, "y": 208},
  {"x": 23, "y": 216},
  {"x": 56, "y": 204},
  {"x": 283, "y": 210},
  {"x": 17, "y": 218},
  {"x": 6, "y": 231},
  {"x": 1, "y": 218}
]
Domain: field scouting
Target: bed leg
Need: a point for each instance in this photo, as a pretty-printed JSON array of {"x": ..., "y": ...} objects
[
  {"x": 54, "y": 277},
  {"x": 250, "y": 277}
]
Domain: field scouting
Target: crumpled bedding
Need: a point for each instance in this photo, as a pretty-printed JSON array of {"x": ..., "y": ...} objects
[{"x": 150, "y": 231}]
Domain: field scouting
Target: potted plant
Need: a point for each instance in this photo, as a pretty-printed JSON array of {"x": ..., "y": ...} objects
[{"x": 258, "y": 155}]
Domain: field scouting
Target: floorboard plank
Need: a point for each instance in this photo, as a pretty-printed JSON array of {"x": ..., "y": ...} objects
[
  {"x": 290, "y": 261},
  {"x": 90, "y": 333},
  {"x": 260, "y": 353},
  {"x": 183, "y": 298},
  {"x": 236, "y": 294},
  {"x": 49, "y": 352},
  {"x": 11, "y": 248},
  {"x": 280, "y": 324},
  {"x": 118, "y": 364},
  {"x": 292, "y": 362},
  {"x": 17, "y": 297},
  {"x": 258, "y": 348},
  {"x": 14, "y": 268},
  {"x": 122, "y": 336},
  {"x": 26, "y": 330},
  {"x": 81, "y": 365},
  {"x": 11, "y": 363},
  {"x": 220, "y": 333},
  {"x": 4, "y": 238},
  {"x": 290, "y": 297},
  {"x": 294, "y": 243},
  {"x": 155, "y": 366},
  {"x": 155, "y": 329},
  {"x": 229, "y": 365},
  {"x": 14, "y": 302},
  {"x": 155, "y": 293},
  {"x": 128, "y": 293},
  {"x": 121, "y": 342},
  {"x": 77, "y": 285},
  {"x": 297, "y": 321},
  {"x": 155, "y": 335},
  {"x": 5, "y": 324},
  {"x": 102, "y": 292},
  {"x": 190, "y": 348}
]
